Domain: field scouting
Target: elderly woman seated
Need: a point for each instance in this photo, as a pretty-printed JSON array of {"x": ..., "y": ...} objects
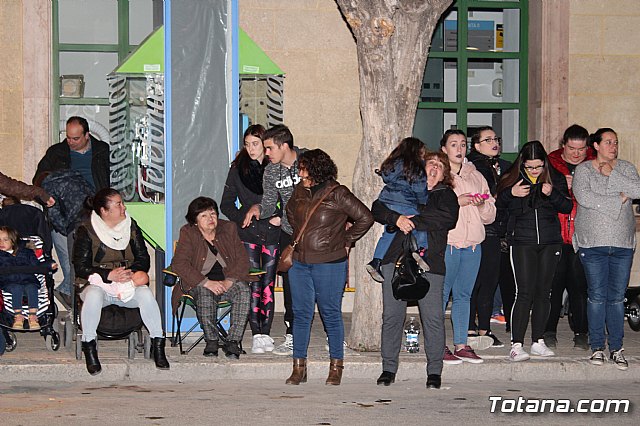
[{"x": 214, "y": 266}]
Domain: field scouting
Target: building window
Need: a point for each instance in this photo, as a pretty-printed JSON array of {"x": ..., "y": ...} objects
[
  {"x": 90, "y": 38},
  {"x": 476, "y": 74}
]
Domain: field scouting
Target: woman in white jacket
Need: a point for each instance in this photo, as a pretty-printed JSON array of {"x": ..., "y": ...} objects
[{"x": 462, "y": 258}]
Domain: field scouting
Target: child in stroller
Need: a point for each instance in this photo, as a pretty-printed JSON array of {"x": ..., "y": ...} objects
[{"x": 18, "y": 264}]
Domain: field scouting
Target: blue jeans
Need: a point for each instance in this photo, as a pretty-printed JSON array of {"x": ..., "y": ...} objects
[
  {"x": 607, "y": 270},
  {"x": 321, "y": 283},
  {"x": 18, "y": 291},
  {"x": 61, "y": 244},
  {"x": 387, "y": 238},
  {"x": 462, "y": 269}
]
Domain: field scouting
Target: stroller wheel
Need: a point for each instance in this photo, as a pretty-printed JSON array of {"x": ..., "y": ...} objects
[
  {"x": 12, "y": 342},
  {"x": 634, "y": 314},
  {"x": 52, "y": 341}
]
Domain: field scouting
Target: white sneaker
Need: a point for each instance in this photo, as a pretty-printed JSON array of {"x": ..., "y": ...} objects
[
  {"x": 326, "y": 347},
  {"x": 267, "y": 343},
  {"x": 518, "y": 353},
  {"x": 286, "y": 348},
  {"x": 541, "y": 349},
  {"x": 258, "y": 344}
]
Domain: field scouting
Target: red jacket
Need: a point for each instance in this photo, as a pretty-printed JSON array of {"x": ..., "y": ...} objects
[{"x": 567, "y": 220}]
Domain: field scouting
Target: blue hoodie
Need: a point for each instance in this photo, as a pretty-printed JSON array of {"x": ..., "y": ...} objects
[{"x": 401, "y": 193}]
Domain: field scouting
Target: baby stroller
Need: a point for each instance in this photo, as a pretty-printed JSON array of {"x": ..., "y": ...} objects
[
  {"x": 632, "y": 307},
  {"x": 116, "y": 323},
  {"x": 47, "y": 309}
]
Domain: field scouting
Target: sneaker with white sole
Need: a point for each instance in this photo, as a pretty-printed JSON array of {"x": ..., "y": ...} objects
[
  {"x": 518, "y": 353},
  {"x": 479, "y": 343},
  {"x": 449, "y": 358},
  {"x": 598, "y": 357},
  {"x": 422, "y": 264},
  {"x": 267, "y": 343},
  {"x": 257, "y": 346},
  {"x": 619, "y": 360},
  {"x": 540, "y": 348},
  {"x": 326, "y": 347},
  {"x": 285, "y": 348}
]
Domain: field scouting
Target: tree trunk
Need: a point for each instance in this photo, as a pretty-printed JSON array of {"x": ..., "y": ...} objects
[{"x": 393, "y": 39}]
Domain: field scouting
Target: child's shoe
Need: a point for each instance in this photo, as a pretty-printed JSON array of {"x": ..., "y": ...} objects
[
  {"x": 373, "y": 268},
  {"x": 419, "y": 256},
  {"x": 33, "y": 322},
  {"x": 18, "y": 322}
]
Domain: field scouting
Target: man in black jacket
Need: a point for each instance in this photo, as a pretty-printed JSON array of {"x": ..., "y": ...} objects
[{"x": 90, "y": 157}]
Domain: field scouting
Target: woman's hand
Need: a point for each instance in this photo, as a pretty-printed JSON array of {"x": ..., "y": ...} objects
[
  {"x": 253, "y": 213},
  {"x": 120, "y": 275},
  {"x": 605, "y": 168},
  {"x": 547, "y": 188},
  {"x": 519, "y": 190},
  {"x": 217, "y": 287},
  {"x": 405, "y": 224},
  {"x": 470, "y": 200},
  {"x": 624, "y": 197}
]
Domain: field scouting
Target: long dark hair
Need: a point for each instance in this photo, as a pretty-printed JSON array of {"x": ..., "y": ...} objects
[
  {"x": 13, "y": 236},
  {"x": 530, "y": 151},
  {"x": 100, "y": 200},
  {"x": 251, "y": 171},
  {"x": 597, "y": 136},
  {"x": 411, "y": 152}
]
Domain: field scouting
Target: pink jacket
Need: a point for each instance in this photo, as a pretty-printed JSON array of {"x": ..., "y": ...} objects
[{"x": 469, "y": 230}]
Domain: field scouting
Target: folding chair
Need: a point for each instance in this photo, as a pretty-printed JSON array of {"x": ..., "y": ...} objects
[{"x": 223, "y": 315}]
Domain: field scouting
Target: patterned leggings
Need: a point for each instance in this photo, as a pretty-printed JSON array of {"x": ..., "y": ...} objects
[{"x": 262, "y": 298}]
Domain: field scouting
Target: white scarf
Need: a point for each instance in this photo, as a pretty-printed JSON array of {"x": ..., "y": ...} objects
[{"x": 117, "y": 237}]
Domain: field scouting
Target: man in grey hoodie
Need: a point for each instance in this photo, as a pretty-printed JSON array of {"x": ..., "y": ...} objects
[{"x": 280, "y": 177}]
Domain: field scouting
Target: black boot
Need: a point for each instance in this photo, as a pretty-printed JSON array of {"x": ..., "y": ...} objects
[
  {"x": 157, "y": 353},
  {"x": 232, "y": 349},
  {"x": 91, "y": 356},
  {"x": 434, "y": 381},
  {"x": 211, "y": 349}
]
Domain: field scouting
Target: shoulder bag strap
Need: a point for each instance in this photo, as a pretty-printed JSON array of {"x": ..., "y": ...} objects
[{"x": 313, "y": 209}]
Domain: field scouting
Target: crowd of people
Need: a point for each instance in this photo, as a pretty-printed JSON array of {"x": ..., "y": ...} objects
[{"x": 525, "y": 231}]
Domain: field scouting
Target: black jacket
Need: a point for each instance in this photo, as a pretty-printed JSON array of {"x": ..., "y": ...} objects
[
  {"x": 58, "y": 157},
  {"x": 533, "y": 219},
  {"x": 260, "y": 231},
  {"x": 86, "y": 262},
  {"x": 437, "y": 217},
  {"x": 492, "y": 169}
]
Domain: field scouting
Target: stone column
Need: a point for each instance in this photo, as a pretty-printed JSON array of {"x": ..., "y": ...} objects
[{"x": 36, "y": 65}]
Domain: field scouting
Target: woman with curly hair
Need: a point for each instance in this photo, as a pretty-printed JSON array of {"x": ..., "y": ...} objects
[{"x": 319, "y": 270}]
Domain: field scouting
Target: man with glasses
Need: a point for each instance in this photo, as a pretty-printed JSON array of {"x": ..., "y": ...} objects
[{"x": 569, "y": 273}]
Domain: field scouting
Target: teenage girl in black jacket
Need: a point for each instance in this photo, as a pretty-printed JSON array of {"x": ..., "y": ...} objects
[{"x": 534, "y": 194}]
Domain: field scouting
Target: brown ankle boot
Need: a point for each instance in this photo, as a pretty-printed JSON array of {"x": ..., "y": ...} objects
[
  {"x": 299, "y": 373},
  {"x": 335, "y": 372}
]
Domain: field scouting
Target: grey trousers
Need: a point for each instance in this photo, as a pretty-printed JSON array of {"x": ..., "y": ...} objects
[{"x": 393, "y": 318}]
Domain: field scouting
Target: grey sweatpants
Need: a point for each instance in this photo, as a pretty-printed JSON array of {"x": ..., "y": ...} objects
[{"x": 393, "y": 318}]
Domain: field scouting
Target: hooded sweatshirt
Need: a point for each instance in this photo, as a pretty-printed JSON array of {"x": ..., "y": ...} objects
[{"x": 469, "y": 230}]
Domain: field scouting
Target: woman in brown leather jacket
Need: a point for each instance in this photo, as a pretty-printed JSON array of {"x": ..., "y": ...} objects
[{"x": 319, "y": 270}]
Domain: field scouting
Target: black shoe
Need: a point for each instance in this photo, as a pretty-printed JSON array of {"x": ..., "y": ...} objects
[
  {"x": 232, "y": 349},
  {"x": 386, "y": 378},
  {"x": 91, "y": 356},
  {"x": 497, "y": 343},
  {"x": 64, "y": 298},
  {"x": 433, "y": 381},
  {"x": 581, "y": 341},
  {"x": 211, "y": 349},
  {"x": 550, "y": 339},
  {"x": 373, "y": 268},
  {"x": 157, "y": 353}
]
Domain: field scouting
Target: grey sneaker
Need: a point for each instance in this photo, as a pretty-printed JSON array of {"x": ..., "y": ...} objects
[
  {"x": 598, "y": 357},
  {"x": 479, "y": 343},
  {"x": 373, "y": 268},
  {"x": 285, "y": 348},
  {"x": 422, "y": 264},
  {"x": 618, "y": 358}
]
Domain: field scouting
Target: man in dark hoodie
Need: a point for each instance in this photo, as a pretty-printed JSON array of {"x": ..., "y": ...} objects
[{"x": 280, "y": 177}]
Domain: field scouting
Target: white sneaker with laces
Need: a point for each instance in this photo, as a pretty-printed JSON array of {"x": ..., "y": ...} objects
[
  {"x": 598, "y": 357},
  {"x": 285, "y": 348},
  {"x": 258, "y": 346},
  {"x": 518, "y": 353},
  {"x": 541, "y": 349},
  {"x": 267, "y": 343}
]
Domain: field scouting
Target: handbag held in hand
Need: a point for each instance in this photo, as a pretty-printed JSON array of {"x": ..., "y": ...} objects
[{"x": 408, "y": 282}]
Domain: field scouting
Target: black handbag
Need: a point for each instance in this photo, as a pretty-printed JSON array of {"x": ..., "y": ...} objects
[{"x": 408, "y": 281}]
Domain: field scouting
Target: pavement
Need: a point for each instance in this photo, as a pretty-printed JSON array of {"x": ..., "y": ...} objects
[{"x": 33, "y": 360}]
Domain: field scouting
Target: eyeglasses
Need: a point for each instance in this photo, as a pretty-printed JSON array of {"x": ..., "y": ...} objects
[
  {"x": 492, "y": 140},
  {"x": 534, "y": 168}
]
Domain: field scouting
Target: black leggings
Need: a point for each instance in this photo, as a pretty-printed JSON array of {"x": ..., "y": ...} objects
[
  {"x": 570, "y": 275},
  {"x": 285, "y": 240},
  {"x": 486, "y": 284},
  {"x": 262, "y": 303},
  {"x": 533, "y": 269},
  {"x": 507, "y": 286}
]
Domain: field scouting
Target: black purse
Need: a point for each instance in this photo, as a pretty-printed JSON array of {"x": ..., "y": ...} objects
[{"x": 408, "y": 281}]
